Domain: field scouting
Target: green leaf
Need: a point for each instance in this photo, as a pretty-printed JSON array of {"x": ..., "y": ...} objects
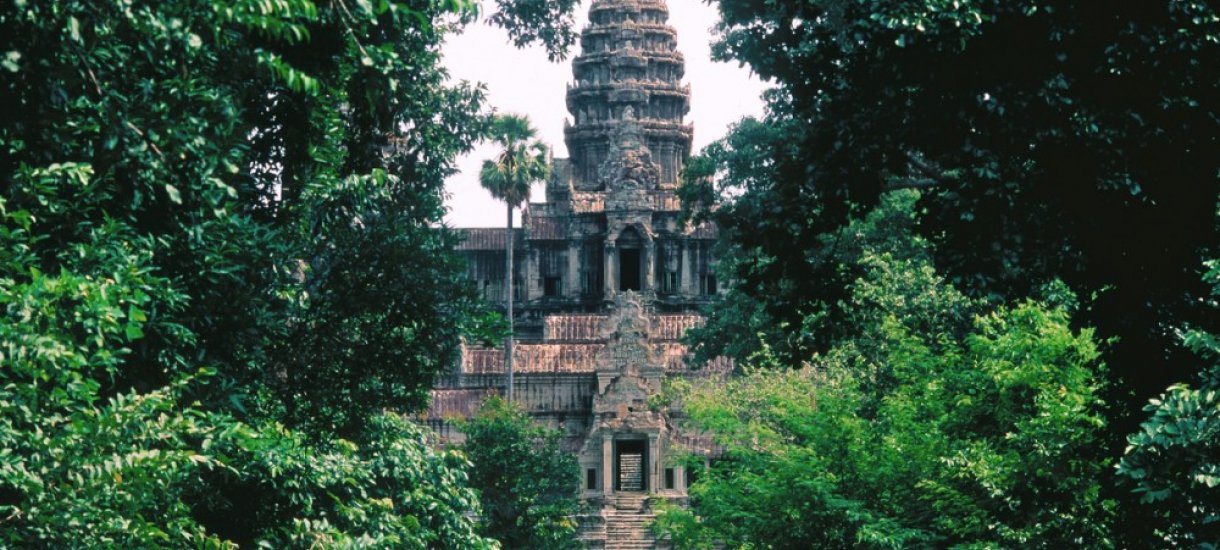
[
  {"x": 74, "y": 29},
  {"x": 11, "y": 60}
]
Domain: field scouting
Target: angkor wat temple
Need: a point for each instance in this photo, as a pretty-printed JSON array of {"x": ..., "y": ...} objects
[{"x": 608, "y": 278}]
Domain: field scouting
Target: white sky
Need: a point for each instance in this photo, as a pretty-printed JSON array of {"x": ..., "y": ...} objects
[{"x": 523, "y": 81}]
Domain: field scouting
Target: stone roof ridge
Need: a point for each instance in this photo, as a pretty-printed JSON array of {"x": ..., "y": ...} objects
[{"x": 628, "y": 4}]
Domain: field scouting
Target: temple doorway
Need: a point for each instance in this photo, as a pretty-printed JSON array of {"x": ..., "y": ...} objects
[
  {"x": 630, "y": 466},
  {"x": 630, "y": 265},
  {"x": 629, "y": 269}
]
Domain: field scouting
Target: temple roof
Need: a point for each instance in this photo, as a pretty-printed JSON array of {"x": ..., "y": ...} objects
[{"x": 488, "y": 238}]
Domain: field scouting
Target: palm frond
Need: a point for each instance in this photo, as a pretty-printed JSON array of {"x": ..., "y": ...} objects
[{"x": 519, "y": 165}]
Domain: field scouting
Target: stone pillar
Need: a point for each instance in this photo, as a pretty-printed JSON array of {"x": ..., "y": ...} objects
[
  {"x": 611, "y": 279},
  {"x": 607, "y": 464},
  {"x": 531, "y": 276},
  {"x": 687, "y": 284},
  {"x": 654, "y": 455},
  {"x": 573, "y": 283},
  {"x": 650, "y": 266}
]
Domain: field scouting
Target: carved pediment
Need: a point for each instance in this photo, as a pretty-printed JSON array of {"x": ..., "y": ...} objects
[
  {"x": 627, "y": 337},
  {"x": 629, "y": 165},
  {"x": 626, "y": 394}
]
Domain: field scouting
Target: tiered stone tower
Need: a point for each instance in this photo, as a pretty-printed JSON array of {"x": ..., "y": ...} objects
[
  {"x": 629, "y": 63},
  {"x": 608, "y": 280}
]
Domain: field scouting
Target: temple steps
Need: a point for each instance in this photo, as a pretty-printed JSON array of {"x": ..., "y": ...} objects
[{"x": 628, "y": 525}]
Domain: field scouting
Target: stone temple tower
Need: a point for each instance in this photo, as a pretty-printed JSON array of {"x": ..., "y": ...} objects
[
  {"x": 609, "y": 279},
  {"x": 629, "y": 63}
]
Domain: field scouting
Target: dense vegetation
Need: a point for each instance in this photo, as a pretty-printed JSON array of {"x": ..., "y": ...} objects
[
  {"x": 1067, "y": 160},
  {"x": 967, "y": 245},
  {"x": 221, "y": 270},
  {"x": 941, "y": 421},
  {"x": 527, "y": 484}
]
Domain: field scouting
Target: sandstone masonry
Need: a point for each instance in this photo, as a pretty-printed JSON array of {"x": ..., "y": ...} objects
[{"x": 608, "y": 280}]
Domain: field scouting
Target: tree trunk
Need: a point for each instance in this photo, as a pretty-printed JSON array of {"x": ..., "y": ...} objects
[{"x": 508, "y": 341}]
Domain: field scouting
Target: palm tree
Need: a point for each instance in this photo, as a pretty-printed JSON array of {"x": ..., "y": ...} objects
[{"x": 522, "y": 162}]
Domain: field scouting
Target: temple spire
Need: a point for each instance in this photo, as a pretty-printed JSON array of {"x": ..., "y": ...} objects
[{"x": 628, "y": 61}]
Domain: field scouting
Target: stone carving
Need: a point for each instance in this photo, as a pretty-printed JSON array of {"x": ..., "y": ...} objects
[
  {"x": 627, "y": 336},
  {"x": 629, "y": 164},
  {"x": 629, "y": 44},
  {"x": 626, "y": 394},
  {"x": 593, "y": 355}
]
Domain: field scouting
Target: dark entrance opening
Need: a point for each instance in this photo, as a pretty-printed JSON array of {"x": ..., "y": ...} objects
[
  {"x": 630, "y": 466},
  {"x": 629, "y": 269}
]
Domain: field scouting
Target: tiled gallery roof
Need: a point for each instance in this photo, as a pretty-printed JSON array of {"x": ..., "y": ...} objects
[{"x": 488, "y": 238}]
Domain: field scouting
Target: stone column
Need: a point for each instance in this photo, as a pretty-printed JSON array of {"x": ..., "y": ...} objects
[
  {"x": 611, "y": 279},
  {"x": 607, "y": 464},
  {"x": 532, "y": 277},
  {"x": 573, "y": 283},
  {"x": 687, "y": 286},
  {"x": 650, "y": 266},
  {"x": 654, "y": 452}
]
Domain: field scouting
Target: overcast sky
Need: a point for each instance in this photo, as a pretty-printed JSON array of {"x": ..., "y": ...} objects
[{"x": 523, "y": 81}]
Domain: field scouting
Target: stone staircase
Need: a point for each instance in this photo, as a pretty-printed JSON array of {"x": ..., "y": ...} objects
[{"x": 627, "y": 524}]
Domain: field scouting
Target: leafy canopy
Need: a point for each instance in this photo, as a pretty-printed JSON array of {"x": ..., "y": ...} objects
[
  {"x": 1052, "y": 141},
  {"x": 1173, "y": 461},
  {"x": 522, "y": 161},
  {"x": 221, "y": 266},
  {"x": 937, "y": 421},
  {"x": 527, "y": 483}
]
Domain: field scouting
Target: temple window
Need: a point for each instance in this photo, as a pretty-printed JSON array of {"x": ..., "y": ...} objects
[
  {"x": 704, "y": 268},
  {"x": 553, "y": 264},
  {"x": 668, "y": 267},
  {"x": 591, "y": 268},
  {"x": 669, "y": 282},
  {"x": 630, "y": 261}
]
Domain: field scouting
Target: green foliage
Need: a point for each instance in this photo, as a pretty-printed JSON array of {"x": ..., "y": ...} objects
[
  {"x": 522, "y": 162},
  {"x": 1070, "y": 142},
  {"x": 931, "y": 427},
  {"x": 220, "y": 265},
  {"x": 393, "y": 491},
  {"x": 380, "y": 311},
  {"x": 1052, "y": 141},
  {"x": 776, "y": 329},
  {"x": 1174, "y": 460},
  {"x": 84, "y": 463},
  {"x": 548, "y": 22},
  {"x": 527, "y": 484}
]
